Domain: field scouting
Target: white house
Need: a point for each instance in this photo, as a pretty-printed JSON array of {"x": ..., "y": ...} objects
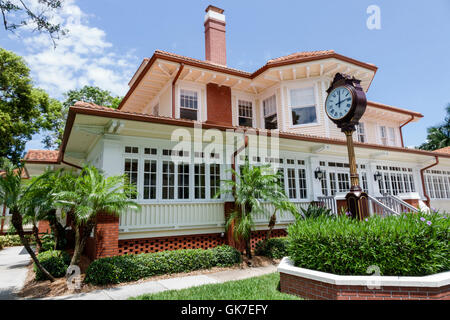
[{"x": 279, "y": 107}]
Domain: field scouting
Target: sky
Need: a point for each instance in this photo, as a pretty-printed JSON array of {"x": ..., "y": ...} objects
[{"x": 108, "y": 39}]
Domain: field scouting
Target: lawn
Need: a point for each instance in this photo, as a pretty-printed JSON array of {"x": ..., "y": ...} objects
[{"x": 257, "y": 288}]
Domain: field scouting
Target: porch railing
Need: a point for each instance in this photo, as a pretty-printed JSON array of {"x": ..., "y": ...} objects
[
  {"x": 282, "y": 217},
  {"x": 329, "y": 203},
  {"x": 396, "y": 203},
  {"x": 377, "y": 207}
]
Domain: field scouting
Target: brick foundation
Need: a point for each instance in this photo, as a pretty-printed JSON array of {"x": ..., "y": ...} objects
[
  {"x": 203, "y": 241},
  {"x": 318, "y": 290},
  {"x": 261, "y": 235}
]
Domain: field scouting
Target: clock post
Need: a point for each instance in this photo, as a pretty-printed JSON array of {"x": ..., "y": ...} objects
[{"x": 345, "y": 104}]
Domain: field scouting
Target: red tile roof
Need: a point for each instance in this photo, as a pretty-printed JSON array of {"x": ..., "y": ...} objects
[
  {"x": 445, "y": 150},
  {"x": 303, "y": 54},
  {"x": 42, "y": 156}
]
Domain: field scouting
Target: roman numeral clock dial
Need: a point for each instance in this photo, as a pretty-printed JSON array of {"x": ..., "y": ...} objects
[{"x": 339, "y": 103}]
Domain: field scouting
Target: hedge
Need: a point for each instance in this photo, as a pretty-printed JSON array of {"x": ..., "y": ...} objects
[
  {"x": 275, "y": 248},
  {"x": 12, "y": 240},
  {"x": 54, "y": 261},
  {"x": 406, "y": 245},
  {"x": 134, "y": 267}
]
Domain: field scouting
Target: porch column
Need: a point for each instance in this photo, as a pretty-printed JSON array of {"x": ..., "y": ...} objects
[{"x": 105, "y": 240}]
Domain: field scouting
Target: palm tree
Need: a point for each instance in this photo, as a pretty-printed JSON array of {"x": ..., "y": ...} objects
[
  {"x": 93, "y": 193},
  {"x": 40, "y": 203},
  {"x": 13, "y": 194},
  {"x": 438, "y": 136},
  {"x": 253, "y": 187}
]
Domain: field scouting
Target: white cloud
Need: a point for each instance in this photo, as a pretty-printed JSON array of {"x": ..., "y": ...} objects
[{"x": 82, "y": 57}]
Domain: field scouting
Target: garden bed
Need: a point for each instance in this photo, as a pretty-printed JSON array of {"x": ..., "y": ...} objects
[
  {"x": 43, "y": 289},
  {"x": 318, "y": 285}
]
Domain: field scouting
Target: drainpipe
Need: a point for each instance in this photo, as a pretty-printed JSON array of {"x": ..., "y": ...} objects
[
  {"x": 233, "y": 158},
  {"x": 401, "y": 126},
  {"x": 425, "y": 193},
  {"x": 173, "y": 88}
]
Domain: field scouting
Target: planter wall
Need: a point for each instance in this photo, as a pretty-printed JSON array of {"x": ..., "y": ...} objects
[{"x": 318, "y": 285}]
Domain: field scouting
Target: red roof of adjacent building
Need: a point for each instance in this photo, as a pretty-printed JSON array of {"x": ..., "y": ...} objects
[
  {"x": 42, "y": 156},
  {"x": 445, "y": 150}
]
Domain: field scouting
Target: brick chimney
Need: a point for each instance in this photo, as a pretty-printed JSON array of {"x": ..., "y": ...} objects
[{"x": 215, "y": 43}]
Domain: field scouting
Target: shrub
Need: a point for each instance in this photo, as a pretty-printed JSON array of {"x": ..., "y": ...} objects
[
  {"x": 54, "y": 261},
  {"x": 134, "y": 267},
  {"x": 275, "y": 248},
  {"x": 48, "y": 242},
  {"x": 406, "y": 245},
  {"x": 315, "y": 211},
  {"x": 10, "y": 241}
]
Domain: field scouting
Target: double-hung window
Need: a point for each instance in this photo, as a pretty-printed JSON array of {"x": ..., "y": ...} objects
[
  {"x": 392, "y": 138},
  {"x": 245, "y": 113},
  {"x": 200, "y": 181},
  {"x": 361, "y": 132},
  {"x": 131, "y": 172},
  {"x": 303, "y": 106},
  {"x": 168, "y": 180},
  {"x": 214, "y": 179},
  {"x": 383, "y": 135},
  {"x": 150, "y": 174},
  {"x": 188, "y": 104},
  {"x": 270, "y": 113},
  {"x": 183, "y": 181}
]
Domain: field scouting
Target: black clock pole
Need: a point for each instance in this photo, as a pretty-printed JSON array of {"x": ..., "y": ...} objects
[{"x": 357, "y": 199}]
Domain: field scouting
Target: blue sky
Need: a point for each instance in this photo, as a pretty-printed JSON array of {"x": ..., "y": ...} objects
[{"x": 109, "y": 38}]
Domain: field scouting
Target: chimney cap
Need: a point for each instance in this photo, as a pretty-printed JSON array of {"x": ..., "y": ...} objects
[{"x": 214, "y": 8}]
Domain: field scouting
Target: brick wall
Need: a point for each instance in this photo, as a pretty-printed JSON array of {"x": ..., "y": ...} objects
[
  {"x": 105, "y": 242},
  {"x": 317, "y": 290},
  {"x": 218, "y": 100},
  {"x": 44, "y": 227}
]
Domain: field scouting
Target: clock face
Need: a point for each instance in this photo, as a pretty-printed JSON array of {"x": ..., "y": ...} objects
[{"x": 339, "y": 103}]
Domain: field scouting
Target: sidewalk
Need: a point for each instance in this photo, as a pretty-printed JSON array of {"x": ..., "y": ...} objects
[
  {"x": 125, "y": 292},
  {"x": 13, "y": 271}
]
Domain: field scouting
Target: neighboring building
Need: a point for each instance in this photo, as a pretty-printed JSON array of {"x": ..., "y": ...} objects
[{"x": 285, "y": 97}]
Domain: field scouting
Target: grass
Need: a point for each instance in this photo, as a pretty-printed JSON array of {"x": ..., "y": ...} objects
[{"x": 257, "y": 288}]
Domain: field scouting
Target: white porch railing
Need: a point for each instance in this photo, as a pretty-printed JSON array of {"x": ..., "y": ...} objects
[
  {"x": 173, "y": 216},
  {"x": 282, "y": 217},
  {"x": 397, "y": 204}
]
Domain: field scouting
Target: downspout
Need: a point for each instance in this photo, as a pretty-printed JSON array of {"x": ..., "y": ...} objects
[
  {"x": 233, "y": 158},
  {"x": 401, "y": 126},
  {"x": 425, "y": 192},
  {"x": 173, "y": 88}
]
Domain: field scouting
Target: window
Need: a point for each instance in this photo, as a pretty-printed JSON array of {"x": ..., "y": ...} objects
[
  {"x": 343, "y": 182},
  {"x": 149, "y": 179},
  {"x": 303, "y": 106},
  {"x": 292, "y": 188},
  {"x": 134, "y": 150},
  {"x": 438, "y": 184},
  {"x": 302, "y": 183},
  {"x": 333, "y": 183},
  {"x": 323, "y": 183},
  {"x": 365, "y": 186},
  {"x": 361, "y": 132},
  {"x": 245, "y": 113},
  {"x": 131, "y": 171},
  {"x": 394, "y": 182},
  {"x": 214, "y": 179},
  {"x": 392, "y": 138},
  {"x": 383, "y": 135},
  {"x": 270, "y": 113},
  {"x": 199, "y": 177},
  {"x": 183, "y": 181},
  {"x": 168, "y": 180},
  {"x": 188, "y": 104}
]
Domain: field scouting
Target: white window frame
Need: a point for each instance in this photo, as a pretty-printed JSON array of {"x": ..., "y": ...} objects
[
  {"x": 190, "y": 87},
  {"x": 290, "y": 106},
  {"x": 361, "y": 132},
  {"x": 263, "y": 117},
  {"x": 380, "y": 134},
  {"x": 252, "y": 108},
  {"x": 392, "y": 136}
]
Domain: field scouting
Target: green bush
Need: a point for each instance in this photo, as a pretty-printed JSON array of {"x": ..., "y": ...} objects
[
  {"x": 54, "y": 261},
  {"x": 48, "y": 242},
  {"x": 275, "y": 248},
  {"x": 315, "y": 211},
  {"x": 10, "y": 241},
  {"x": 406, "y": 245},
  {"x": 134, "y": 267}
]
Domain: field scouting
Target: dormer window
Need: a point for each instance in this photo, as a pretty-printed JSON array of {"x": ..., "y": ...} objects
[
  {"x": 188, "y": 104},
  {"x": 270, "y": 113},
  {"x": 303, "y": 106},
  {"x": 245, "y": 113}
]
